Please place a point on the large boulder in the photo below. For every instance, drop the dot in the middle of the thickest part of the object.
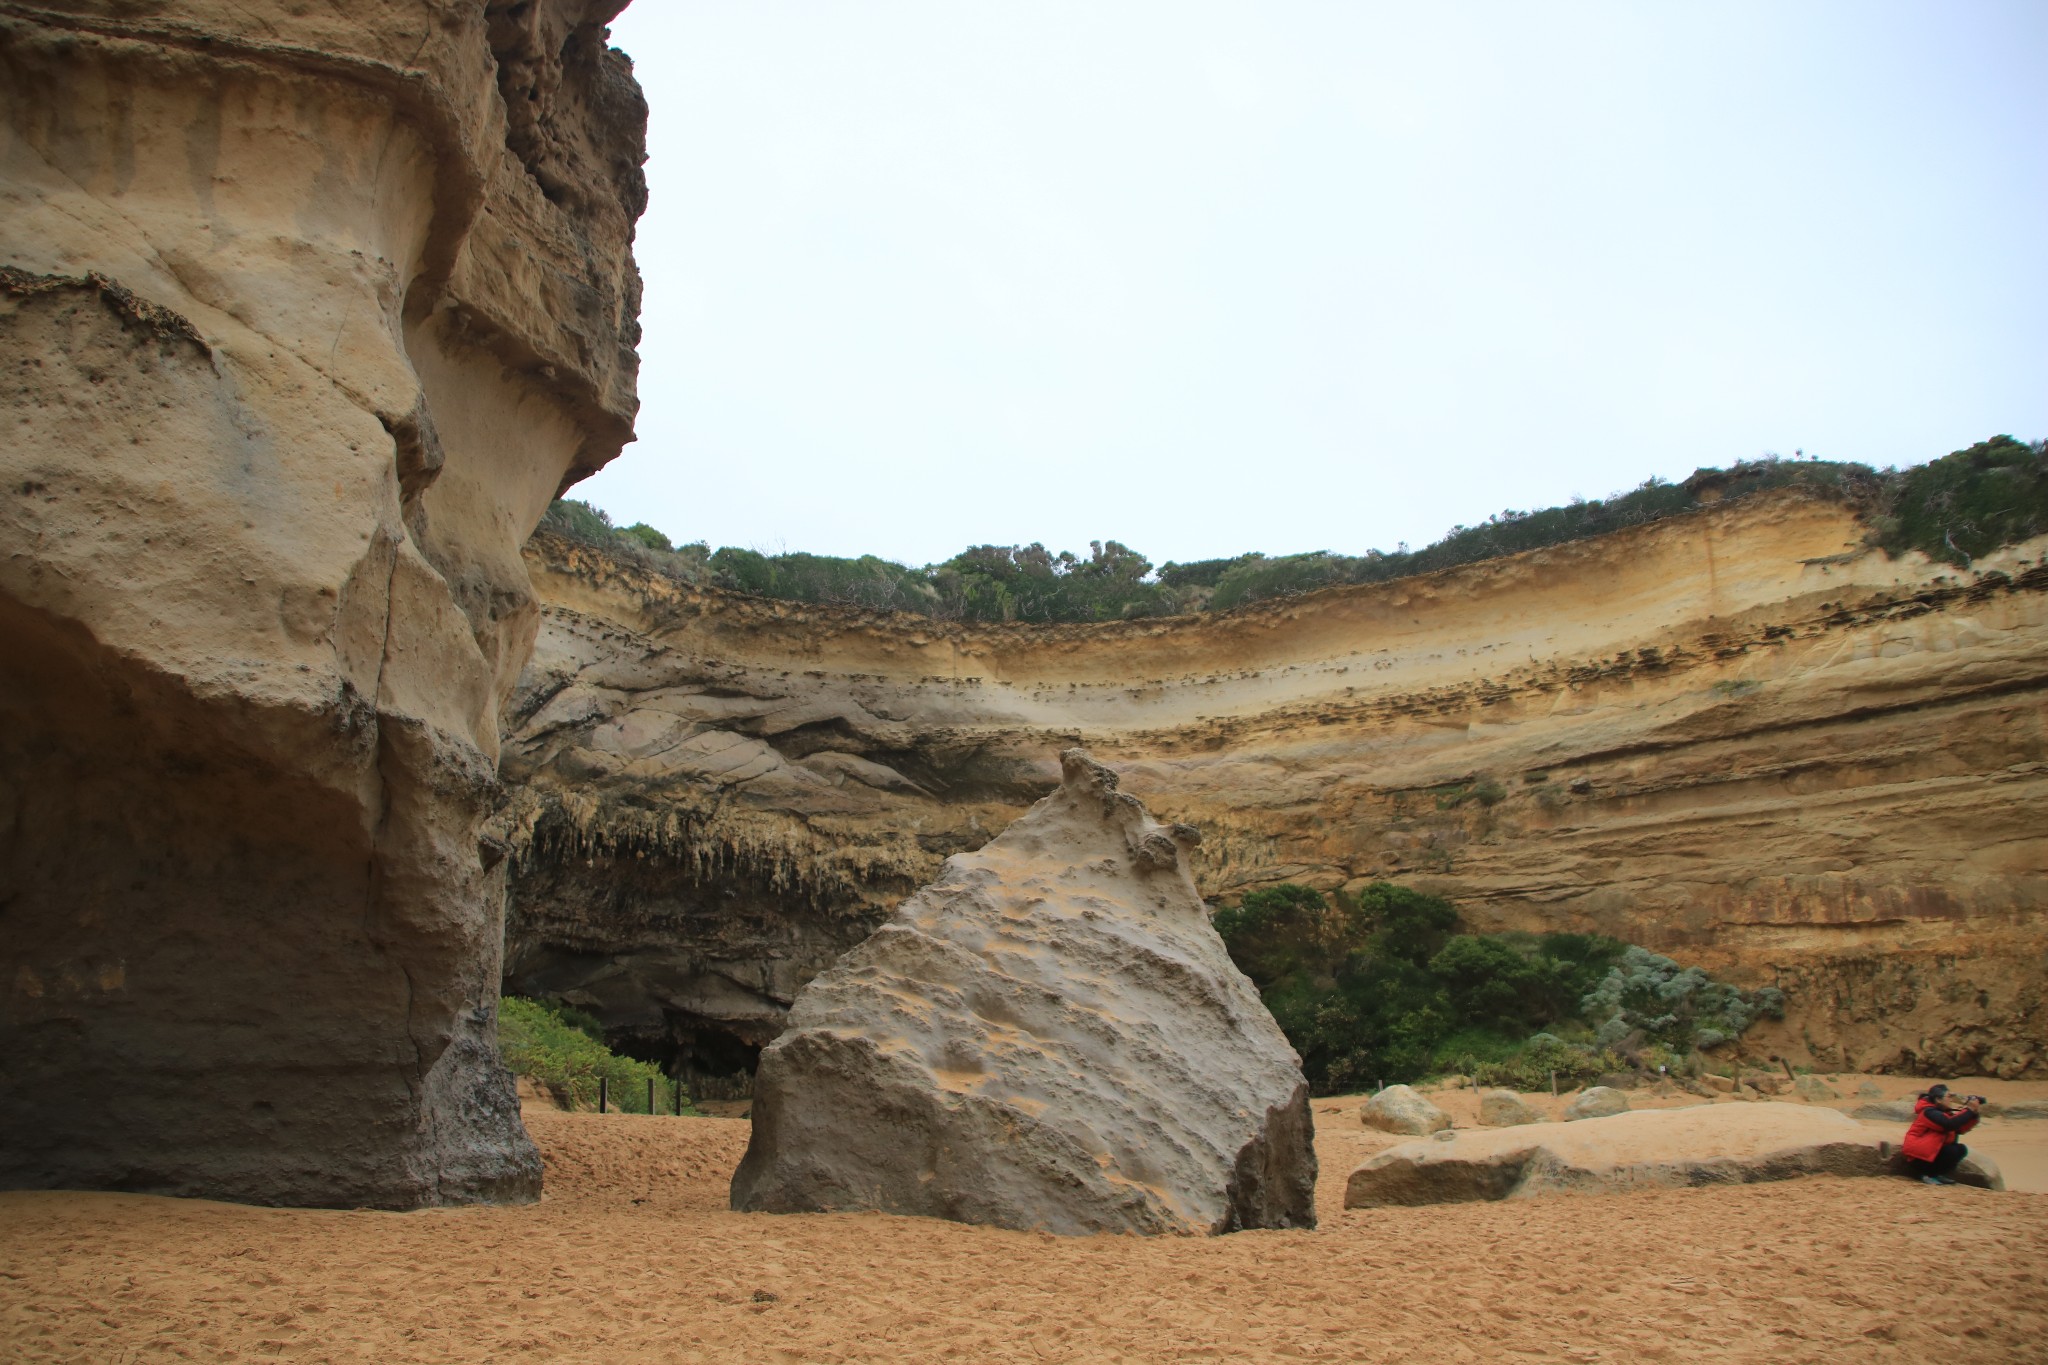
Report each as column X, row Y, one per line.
column 1402, row 1109
column 306, row 312
column 1050, row 1036
column 1505, row 1109
column 1707, row 1144
column 1599, row 1102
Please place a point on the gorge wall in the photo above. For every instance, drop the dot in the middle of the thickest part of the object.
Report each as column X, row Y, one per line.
column 1739, row 737
column 306, row 312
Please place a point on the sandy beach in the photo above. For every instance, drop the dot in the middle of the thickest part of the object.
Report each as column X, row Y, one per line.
column 633, row 1256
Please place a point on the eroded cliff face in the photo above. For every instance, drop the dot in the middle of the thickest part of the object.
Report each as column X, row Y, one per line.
column 1738, row 737
column 306, row 313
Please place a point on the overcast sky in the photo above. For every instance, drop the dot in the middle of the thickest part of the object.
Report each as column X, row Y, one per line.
column 1293, row 276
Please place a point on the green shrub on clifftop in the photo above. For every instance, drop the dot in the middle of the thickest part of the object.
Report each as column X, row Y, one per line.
column 1957, row 508
column 1969, row 503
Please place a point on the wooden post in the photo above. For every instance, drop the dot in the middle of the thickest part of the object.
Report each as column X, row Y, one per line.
column 677, row 1082
column 650, row 1097
column 1788, row 1071
column 603, row 1093
column 1553, row 1082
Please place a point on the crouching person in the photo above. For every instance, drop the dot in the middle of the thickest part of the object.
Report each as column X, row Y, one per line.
column 1932, row 1146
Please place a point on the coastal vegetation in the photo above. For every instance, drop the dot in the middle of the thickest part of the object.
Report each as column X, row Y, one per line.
column 1386, row 987
column 1954, row 509
column 562, row 1051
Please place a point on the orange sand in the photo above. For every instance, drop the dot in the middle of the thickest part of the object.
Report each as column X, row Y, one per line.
column 633, row 1256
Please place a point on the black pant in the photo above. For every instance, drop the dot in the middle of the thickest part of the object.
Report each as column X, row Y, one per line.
column 1945, row 1160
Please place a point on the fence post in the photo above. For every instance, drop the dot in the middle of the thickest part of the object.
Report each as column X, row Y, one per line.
column 651, row 1110
column 1553, row 1083
column 603, row 1093
column 677, row 1082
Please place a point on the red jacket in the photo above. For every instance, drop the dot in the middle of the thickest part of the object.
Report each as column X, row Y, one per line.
column 1927, row 1136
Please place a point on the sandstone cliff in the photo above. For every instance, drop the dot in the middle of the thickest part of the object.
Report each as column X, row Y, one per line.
column 1737, row 736
column 306, row 312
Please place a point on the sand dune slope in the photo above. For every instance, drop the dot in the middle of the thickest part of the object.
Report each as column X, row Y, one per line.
column 632, row 1256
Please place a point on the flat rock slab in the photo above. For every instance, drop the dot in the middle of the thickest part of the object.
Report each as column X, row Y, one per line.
column 1050, row 1036
column 1707, row 1144
column 2018, row 1109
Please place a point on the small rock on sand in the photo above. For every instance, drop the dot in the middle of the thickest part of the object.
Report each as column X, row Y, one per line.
column 1402, row 1109
column 1505, row 1109
column 1891, row 1111
column 1597, row 1103
column 1814, row 1090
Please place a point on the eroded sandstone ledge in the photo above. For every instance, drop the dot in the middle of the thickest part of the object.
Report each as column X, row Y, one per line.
column 1739, row 736
column 305, row 314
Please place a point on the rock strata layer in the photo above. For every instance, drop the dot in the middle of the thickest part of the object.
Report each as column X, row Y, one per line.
column 1739, row 737
column 306, row 312
column 1050, row 1036
column 1708, row 1144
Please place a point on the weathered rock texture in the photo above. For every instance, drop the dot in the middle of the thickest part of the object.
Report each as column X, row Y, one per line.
column 1402, row 1109
column 1707, row 1144
column 1049, row 1036
column 1505, row 1109
column 1737, row 737
column 1599, row 1102
column 306, row 311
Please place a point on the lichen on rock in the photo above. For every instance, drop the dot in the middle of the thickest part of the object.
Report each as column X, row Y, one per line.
column 1050, row 1036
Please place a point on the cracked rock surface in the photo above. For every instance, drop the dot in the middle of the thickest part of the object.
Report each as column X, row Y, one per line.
column 1050, row 1036
column 300, row 330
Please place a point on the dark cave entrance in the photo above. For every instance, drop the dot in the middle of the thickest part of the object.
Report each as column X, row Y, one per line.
column 712, row 1059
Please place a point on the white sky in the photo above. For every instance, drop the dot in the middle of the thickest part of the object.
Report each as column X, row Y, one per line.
column 1286, row 276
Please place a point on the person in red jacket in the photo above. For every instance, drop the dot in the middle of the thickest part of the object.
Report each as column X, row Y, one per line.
column 1932, row 1148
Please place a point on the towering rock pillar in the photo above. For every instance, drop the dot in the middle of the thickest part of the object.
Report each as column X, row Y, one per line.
column 305, row 314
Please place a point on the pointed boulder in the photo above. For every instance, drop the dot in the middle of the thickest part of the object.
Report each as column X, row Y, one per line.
column 1050, row 1036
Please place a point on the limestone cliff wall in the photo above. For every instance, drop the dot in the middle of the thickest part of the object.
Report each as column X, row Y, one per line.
column 1737, row 736
column 306, row 311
